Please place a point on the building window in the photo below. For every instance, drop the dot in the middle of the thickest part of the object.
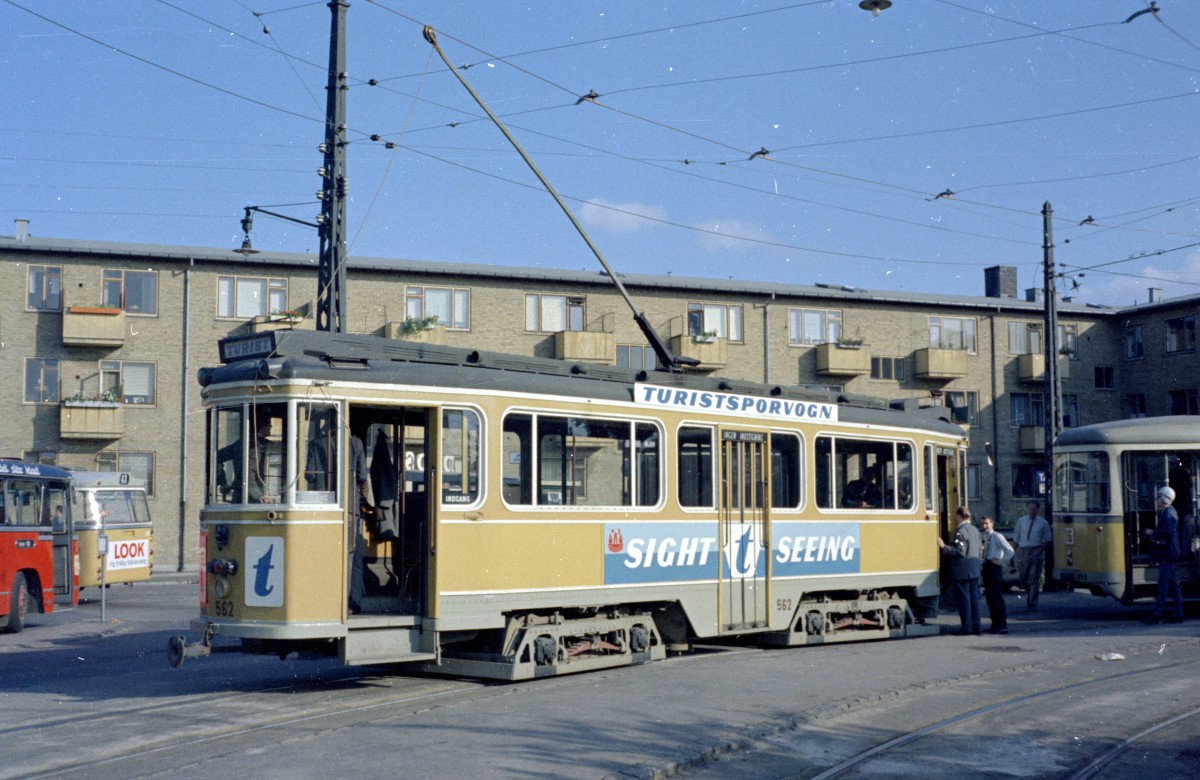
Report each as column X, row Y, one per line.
column 553, row 313
column 814, row 326
column 952, row 333
column 452, row 307
column 1185, row 401
column 636, row 357
column 964, row 406
column 1133, row 406
column 889, row 368
column 1181, row 334
column 41, row 381
column 131, row 382
column 1026, row 478
column 974, row 487
column 1026, row 409
column 1106, row 378
column 45, row 288
column 725, row 322
column 1067, row 340
column 136, row 292
column 1070, row 410
column 1025, row 338
column 1133, row 342
column 44, row 457
column 244, row 297
column 139, row 464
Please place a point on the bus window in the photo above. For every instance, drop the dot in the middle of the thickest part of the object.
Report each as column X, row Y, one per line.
column 695, row 467
column 25, row 502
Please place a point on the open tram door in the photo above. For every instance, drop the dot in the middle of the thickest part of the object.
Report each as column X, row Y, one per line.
column 943, row 486
column 744, row 531
column 399, row 509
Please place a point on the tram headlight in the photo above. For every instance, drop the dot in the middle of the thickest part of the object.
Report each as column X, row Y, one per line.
column 220, row 587
column 221, row 536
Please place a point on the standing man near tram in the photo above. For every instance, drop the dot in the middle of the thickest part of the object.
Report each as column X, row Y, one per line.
column 1032, row 534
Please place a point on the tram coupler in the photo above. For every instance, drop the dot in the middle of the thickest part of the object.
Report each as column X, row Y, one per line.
column 179, row 649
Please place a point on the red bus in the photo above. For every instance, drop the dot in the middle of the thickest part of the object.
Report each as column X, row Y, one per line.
column 39, row 557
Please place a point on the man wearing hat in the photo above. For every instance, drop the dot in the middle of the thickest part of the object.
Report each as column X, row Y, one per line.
column 1164, row 544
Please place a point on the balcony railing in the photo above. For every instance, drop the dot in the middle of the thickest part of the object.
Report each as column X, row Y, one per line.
column 710, row 351
column 934, row 363
column 93, row 326
column 585, row 346
column 843, row 360
column 1033, row 439
column 91, row 420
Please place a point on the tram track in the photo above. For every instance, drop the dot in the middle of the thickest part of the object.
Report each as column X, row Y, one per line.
column 1073, row 729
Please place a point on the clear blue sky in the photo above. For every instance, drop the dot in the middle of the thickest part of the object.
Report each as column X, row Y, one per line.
column 155, row 121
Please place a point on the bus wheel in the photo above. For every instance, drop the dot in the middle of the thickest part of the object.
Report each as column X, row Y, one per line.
column 18, row 605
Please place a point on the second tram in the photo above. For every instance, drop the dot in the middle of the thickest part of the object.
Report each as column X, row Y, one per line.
column 1105, row 479
column 529, row 517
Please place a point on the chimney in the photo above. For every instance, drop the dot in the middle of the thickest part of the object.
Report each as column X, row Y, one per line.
column 1000, row 281
column 22, row 229
column 1155, row 294
column 1033, row 294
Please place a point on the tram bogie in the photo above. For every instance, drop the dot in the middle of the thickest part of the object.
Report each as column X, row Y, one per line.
column 523, row 518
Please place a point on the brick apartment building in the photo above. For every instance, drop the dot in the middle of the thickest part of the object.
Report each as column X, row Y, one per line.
column 106, row 339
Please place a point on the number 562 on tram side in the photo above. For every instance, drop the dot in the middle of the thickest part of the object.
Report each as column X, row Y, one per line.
column 511, row 517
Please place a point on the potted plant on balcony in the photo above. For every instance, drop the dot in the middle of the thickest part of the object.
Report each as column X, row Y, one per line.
column 106, row 400
column 413, row 325
column 846, row 342
column 705, row 337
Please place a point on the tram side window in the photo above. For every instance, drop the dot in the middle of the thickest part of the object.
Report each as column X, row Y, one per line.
column 863, row 474
column 695, row 467
column 317, row 429
column 786, row 471
column 460, row 456
column 516, row 451
column 1081, row 481
column 583, row 462
column 648, row 462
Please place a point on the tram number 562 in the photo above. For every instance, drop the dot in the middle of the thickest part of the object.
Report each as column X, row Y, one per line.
column 222, row 609
column 783, row 605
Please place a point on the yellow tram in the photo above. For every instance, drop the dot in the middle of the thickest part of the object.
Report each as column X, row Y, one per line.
column 110, row 510
column 528, row 517
column 1105, row 479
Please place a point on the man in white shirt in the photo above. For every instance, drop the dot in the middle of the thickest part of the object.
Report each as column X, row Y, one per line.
column 1031, row 534
column 996, row 552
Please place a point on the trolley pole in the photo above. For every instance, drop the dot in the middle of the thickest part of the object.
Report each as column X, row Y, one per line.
column 331, row 224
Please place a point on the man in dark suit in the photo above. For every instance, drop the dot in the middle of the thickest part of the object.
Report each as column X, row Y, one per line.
column 963, row 556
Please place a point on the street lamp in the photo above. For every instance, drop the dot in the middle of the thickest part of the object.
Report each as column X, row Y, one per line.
column 875, row 6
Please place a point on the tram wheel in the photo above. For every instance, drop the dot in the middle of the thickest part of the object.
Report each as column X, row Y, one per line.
column 18, row 605
column 175, row 652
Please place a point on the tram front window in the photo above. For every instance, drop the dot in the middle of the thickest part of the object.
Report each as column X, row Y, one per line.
column 250, row 469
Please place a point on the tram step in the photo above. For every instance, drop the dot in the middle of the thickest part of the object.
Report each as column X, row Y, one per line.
column 386, row 645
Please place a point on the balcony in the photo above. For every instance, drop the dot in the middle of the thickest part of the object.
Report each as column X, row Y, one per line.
column 843, row 359
column 933, row 363
column 91, row 420
column 1032, row 368
column 268, row 322
column 93, row 326
column 422, row 334
column 710, row 351
column 1033, row 439
column 585, row 346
